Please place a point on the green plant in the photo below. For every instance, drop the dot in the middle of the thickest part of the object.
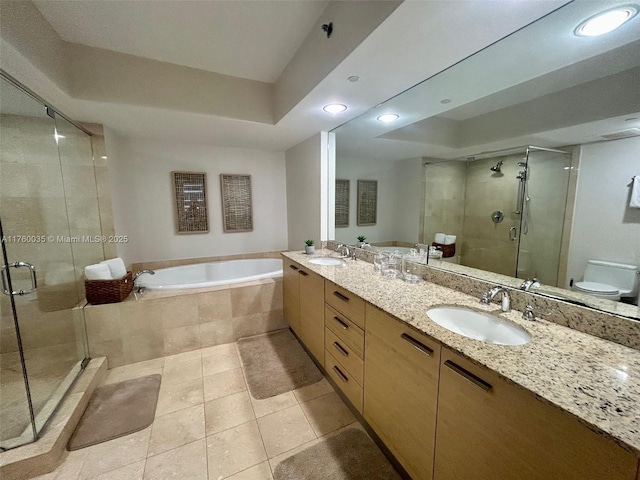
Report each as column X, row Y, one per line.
column 361, row 238
column 309, row 243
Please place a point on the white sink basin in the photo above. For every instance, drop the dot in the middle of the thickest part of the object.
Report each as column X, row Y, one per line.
column 326, row 261
column 479, row 326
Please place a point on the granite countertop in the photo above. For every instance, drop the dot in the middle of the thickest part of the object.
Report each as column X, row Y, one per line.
column 596, row 380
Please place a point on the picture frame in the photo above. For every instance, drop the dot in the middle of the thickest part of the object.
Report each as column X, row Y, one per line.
column 342, row 203
column 237, row 208
column 367, row 202
column 190, row 202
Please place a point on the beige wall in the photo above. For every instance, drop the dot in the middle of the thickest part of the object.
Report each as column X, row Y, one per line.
column 142, row 197
column 304, row 191
column 604, row 227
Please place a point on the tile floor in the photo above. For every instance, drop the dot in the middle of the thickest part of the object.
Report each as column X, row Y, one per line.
column 208, row 426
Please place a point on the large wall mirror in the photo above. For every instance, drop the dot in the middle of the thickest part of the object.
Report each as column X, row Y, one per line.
column 524, row 153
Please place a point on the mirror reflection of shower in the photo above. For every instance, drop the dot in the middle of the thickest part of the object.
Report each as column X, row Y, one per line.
column 523, row 199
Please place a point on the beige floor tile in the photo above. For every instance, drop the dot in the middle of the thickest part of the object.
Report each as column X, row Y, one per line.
column 116, row 453
column 284, row 430
column 174, row 397
column 135, row 370
column 235, row 450
column 273, row 404
column 177, row 429
column 134, row 471
column 181, row 357
column 187, row 462
column 262, row 471
column 182, row 372
column 227, row 412
column 223, row 384
column 220, row 360
column 327, row 413
column 224, row 349
column 314, row 390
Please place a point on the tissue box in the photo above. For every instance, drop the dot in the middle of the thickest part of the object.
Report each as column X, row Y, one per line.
column 447, row 250
column 108, row 291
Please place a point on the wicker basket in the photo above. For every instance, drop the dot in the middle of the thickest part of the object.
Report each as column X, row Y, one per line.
column 447, row 250
column 108, row 291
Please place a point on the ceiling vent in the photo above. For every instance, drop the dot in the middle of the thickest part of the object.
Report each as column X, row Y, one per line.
column 630, row 132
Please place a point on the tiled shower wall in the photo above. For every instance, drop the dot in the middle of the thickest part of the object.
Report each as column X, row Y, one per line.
column 154, row 326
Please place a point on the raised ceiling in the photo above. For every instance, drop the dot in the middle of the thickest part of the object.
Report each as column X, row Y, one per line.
column 248, row 39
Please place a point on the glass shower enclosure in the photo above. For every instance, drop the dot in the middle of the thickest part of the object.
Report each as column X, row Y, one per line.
column 48, row 213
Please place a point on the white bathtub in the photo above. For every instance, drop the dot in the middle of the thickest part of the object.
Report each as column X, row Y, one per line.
column 203, row 275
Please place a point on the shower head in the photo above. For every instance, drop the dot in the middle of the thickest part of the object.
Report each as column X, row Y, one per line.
column 496, row 168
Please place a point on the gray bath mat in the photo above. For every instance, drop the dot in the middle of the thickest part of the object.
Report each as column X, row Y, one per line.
column 275, row 363
column 350, row 455
column 116, row 410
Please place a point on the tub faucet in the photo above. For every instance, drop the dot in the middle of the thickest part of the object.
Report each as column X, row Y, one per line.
column 528, row 283
column 140, row 288
column 487, row 297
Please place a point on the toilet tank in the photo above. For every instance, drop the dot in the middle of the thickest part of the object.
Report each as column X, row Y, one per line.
column 620, row 275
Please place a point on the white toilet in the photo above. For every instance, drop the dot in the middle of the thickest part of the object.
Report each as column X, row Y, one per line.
column 609, row 280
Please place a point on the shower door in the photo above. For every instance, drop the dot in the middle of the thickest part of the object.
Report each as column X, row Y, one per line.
column 43, row 341
column 543, row 200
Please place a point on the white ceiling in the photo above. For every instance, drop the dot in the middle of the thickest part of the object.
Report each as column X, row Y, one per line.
column 249, row 39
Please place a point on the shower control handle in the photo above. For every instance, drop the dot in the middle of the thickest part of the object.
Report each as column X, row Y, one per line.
column 5, row 283
column 513, row 233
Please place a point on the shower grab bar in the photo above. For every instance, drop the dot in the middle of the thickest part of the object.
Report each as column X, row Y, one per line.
column 32, row 271
column 513, row 233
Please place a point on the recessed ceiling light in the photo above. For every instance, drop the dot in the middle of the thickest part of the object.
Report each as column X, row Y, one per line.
column 445, row 100
column 606, row 22
column 388, row 117
column 334, row 108
column 353, row 78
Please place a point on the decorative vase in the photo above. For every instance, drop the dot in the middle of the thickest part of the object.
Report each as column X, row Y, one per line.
column 360, row 244
column 309, row 249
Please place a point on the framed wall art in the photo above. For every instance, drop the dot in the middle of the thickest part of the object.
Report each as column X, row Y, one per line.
column 237, row 211
column 190, row 200
column 367, row 202
column 342, row 203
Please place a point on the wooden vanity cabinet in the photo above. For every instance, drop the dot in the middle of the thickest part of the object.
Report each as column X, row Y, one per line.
column 312, row 312
column 291, row 294
column 401, row 390
column 491, row 429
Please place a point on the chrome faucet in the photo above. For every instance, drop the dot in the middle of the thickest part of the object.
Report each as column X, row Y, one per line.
column 140, row 288
column 528, row 283
column 528, row 314
column 343, row 250
column 487, row 297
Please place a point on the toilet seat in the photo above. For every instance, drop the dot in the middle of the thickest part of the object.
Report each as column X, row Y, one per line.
column 598, row 289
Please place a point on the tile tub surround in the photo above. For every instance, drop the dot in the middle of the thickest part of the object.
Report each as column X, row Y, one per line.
column 613, row 326
column 46, row 454
column 160, row 323
column 595, row 380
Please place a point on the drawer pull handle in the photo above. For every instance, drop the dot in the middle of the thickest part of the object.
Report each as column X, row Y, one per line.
column 342, row 376
column 341, row 349
column 293, row 267
column 419, row 345
column 477, row 381
column 303, row 273
column 341, row 296
column 343, row 325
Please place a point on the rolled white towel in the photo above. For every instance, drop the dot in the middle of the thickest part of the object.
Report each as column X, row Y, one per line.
column 99, row 271
column 116, row 266
column 449, row 239
column 439, row 238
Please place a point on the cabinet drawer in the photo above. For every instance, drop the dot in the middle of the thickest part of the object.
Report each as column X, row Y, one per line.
column 345, row 329
column 345, row 355
column 345, row 302
column 343, row 380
